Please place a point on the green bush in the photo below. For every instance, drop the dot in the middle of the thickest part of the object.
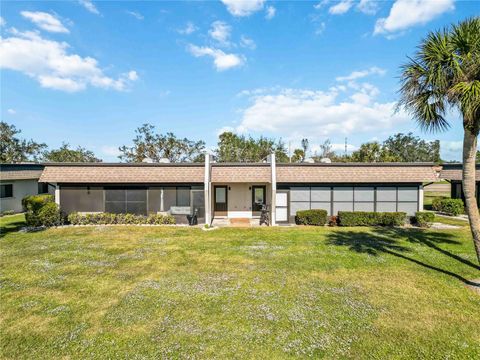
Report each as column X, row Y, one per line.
column 7, row 212
column 108, row 218
column 424, row 218
column 49, row 215
column 34, row 203
column 452, row 207
column 315, row 217
column 367, row 218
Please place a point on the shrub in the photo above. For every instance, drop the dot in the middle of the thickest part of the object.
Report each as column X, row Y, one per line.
column 366, row 218
column 424, row 218
column 49, row 215
column 315, row 217
column 34, row 203
column 7, row 212
column 452, row 207
column 109, row 218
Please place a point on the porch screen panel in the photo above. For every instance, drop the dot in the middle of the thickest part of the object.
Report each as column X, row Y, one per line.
column 322, row 206
column 321, row 194
column 364, row 198
column 169, row 198
column 81, row 199
column 342, row 199
column 115, row 201
column 407, row 199
column 154, row 199
column 198, row 202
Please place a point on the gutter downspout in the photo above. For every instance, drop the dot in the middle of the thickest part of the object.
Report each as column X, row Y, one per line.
column 207, row 192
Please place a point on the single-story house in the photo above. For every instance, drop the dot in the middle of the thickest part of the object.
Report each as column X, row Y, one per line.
column 239, row 190
column 18, row 181
column 453, row 173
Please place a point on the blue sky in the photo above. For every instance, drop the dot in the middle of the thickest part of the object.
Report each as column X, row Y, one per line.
column 90, row 72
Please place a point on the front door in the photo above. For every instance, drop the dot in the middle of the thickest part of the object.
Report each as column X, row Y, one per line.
column 220, row 206
column 258, row 199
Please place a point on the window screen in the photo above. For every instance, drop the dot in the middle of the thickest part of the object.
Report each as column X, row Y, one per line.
column 183, row 196
column 126, row 201
column 6, row 190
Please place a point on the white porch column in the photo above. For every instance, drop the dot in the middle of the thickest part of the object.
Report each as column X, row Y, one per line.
column 273, row 167
column 420, row 198
column 207, row 191
column 57, row 194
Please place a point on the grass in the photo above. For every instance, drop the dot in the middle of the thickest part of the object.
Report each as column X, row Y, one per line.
column 429, row 196
column 176, row 292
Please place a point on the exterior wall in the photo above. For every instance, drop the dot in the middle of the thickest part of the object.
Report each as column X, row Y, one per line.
column 365, row 197
column 240, row 199
column 21, row 188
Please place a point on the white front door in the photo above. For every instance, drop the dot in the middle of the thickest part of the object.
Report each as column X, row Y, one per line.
column 281, row 209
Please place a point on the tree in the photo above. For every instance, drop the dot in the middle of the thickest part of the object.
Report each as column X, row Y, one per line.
column 305, row 148
column 444, row 74
column 298, row 156
column 373, row 152
column 238, row 148
column 326, row 151
column 154, row 146
column 13, row 149
column 65, row 154
column 410, row 148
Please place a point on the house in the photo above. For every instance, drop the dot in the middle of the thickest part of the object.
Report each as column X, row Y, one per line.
column 239, row 190
column 453, row 173
column 18, row 181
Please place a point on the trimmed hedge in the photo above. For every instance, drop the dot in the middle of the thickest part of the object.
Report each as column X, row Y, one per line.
column 127, row 219
column 452, row 207
column 367, row 218
column 424, row 218
column 34, row 203
column 315, row 217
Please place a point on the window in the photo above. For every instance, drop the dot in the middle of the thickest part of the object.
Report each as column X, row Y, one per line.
column 42, row 188
column 6, row 191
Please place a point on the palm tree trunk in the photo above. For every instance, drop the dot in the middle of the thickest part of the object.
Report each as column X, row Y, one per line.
column 469, row 186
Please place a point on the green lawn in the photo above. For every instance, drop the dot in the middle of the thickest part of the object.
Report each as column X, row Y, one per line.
column 266, row 293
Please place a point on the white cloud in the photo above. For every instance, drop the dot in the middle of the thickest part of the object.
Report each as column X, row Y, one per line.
column 369, row 7
column 451, row 150
column 220, row 31
column 341, row 8
column 45, row 21
column 88, row 4
column 188, row 29
column 361, row 74
column 50, row 63
column 225, row 129
column 408, row 13
column 243, row 7
column 321, row 4
column 11, row 111
column 135, row 14
column 270, row 12
column 2, row 21
column 320, row 28
column 296, row 113
column 247, row 42
column 221, row 60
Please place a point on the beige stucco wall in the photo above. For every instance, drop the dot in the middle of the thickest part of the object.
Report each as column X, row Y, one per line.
column 240, row 199
column 21, row 188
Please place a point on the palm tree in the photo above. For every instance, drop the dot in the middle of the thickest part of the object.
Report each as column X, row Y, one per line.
column 444, row 75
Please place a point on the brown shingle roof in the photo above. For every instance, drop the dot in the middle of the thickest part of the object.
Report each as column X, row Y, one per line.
column 355, row 173
column 20, row 174
column 129, row 174
column 455, row 174
column 238, row 173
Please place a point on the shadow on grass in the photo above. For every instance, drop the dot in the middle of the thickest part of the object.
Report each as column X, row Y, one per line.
column 386, row 241
column 7, row 226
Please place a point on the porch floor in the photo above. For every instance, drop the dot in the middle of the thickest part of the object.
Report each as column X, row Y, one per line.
column 236, row 222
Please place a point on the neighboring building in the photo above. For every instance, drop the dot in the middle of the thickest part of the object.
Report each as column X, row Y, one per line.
column 453, row 173
column 18, row 181
column 222, row 190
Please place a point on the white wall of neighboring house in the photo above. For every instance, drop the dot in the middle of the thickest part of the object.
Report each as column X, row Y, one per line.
column 21, row 188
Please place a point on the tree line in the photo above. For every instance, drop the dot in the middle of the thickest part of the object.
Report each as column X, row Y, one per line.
column 152, row 146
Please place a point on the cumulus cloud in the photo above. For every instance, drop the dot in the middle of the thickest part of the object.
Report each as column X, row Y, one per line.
column 270, row 12
column 45, row 21
column 220, row 31
column 407, row 13
column 50, row 63
column 90, row 6
column 341, row 8
column 369, row 7
column 188, row 29
column 246, row 42
column 335, row 111
column 355, row 75
column 135, row 14
column 243, row 7
column 221, row 60
column 11, row 111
